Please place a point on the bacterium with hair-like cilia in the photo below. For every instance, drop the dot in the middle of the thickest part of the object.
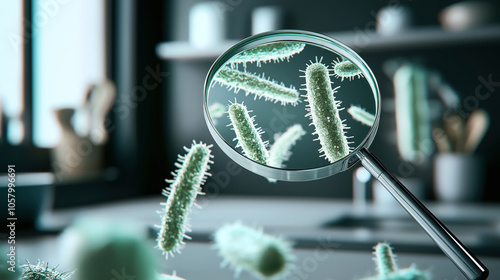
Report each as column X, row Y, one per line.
column 361, row 115
column 247, row 134
column 42, row 272
column 281, row 149
column 387, row 268
column 323, row 110
column 258, row 85
column 275, row 52
column 245, row 248
column 191, row 174
column 346, row 70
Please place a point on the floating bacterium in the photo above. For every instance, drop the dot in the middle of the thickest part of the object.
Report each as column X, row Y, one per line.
column 413, row 125
column 323, row 110
column 384, row 259
column 41, row 271
column 186, row 185
column 247, row 134
column 274, row 52
column 361, row 115
column 216, row 110
column 260, row 86
column 387, row 268
column 346, row 70
column 245, row 248
column 281, row 149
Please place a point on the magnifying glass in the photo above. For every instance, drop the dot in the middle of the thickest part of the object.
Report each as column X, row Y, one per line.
column 298, row 106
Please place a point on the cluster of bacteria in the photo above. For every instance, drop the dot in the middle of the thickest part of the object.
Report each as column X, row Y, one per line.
column 322, row 105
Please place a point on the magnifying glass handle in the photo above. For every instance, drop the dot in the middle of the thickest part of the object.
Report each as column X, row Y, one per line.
column 470, row 266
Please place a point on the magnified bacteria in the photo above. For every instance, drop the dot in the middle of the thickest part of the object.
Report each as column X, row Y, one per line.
column 258, row 85
column 346, row 70
column 217, row 110
column 249, row 138
column 324, row 120
column 275, row 52
column 323, row 110
column 361, row 115
column 247, row 134
column 281, row 149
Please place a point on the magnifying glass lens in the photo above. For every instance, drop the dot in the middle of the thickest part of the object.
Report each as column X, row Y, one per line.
column 292, row 102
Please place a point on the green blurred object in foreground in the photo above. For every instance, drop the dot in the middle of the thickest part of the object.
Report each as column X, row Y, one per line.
column 245, row 248
column 111, row 250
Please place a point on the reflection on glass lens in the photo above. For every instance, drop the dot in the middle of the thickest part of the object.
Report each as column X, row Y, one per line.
column 291, row 104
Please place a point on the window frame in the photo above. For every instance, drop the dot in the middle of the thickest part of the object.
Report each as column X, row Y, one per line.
column 135, row 174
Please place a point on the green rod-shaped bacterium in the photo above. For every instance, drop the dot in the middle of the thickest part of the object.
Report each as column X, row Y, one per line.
column 246, row 248
column 274, row 52
column 281, row 149
column 247, row 134
column 185, row 186
column 346, row 70
column 323, row 110
column 413, row 125
column 260, row 86
column 387, row 269
column 384, row 259
column 361, row 115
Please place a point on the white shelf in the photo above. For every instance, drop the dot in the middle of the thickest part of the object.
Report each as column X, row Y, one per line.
column 186, row 51
column 359, row 40
column 425, row 37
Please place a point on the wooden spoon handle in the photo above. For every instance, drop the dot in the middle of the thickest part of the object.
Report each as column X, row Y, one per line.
column 475, row 129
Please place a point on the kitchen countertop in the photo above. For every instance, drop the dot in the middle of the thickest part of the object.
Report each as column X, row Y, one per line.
column 315, row 225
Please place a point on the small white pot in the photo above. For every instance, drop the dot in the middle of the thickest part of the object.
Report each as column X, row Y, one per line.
column 459, row 177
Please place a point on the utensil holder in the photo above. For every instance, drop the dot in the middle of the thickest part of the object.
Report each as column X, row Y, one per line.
column 459, row 177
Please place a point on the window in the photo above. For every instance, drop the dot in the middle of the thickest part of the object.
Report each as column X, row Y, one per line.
column 11, row 84
column 68, row 46
column 63, row 48
column 69, row 56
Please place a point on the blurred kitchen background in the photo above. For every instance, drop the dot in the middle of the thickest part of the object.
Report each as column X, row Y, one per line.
column 99, row 97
